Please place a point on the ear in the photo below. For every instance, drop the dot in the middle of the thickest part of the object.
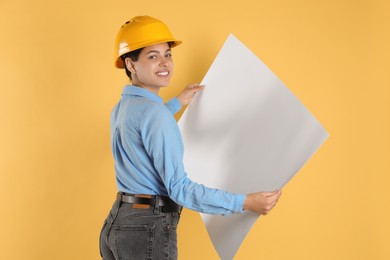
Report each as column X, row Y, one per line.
column 130, row 65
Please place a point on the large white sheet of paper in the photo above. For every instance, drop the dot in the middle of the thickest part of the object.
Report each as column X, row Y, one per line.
column 246, row 132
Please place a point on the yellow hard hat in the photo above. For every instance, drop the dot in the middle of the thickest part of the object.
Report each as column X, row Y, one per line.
column 139, row 32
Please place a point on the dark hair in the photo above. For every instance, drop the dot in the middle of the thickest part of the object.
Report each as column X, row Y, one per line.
column 133, row 55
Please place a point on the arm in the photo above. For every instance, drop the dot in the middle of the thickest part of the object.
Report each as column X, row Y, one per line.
column 187, row 193
column 184, row 98
column 162, row 141
column 173, row 105
column 188, row 93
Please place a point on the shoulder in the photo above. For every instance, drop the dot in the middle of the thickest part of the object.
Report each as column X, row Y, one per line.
column 140, row 106
column 157, row 114
column 157, row 109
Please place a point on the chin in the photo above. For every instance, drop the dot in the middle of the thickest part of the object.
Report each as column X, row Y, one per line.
column 164, row 84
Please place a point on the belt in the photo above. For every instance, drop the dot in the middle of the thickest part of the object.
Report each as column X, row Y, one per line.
column 141, row 201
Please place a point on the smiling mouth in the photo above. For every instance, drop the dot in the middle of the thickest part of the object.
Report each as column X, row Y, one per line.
column 162, row 73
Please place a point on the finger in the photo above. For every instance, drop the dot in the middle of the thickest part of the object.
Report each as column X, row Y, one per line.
column 277, row 193
column 275, row 201
column 193, row 85
column 274, row 198
column 198, row 88
column 271, row 193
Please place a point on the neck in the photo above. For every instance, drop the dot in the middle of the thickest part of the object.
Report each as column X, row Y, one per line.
column 155, row 90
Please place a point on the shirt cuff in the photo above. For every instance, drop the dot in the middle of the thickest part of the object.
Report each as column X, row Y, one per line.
column 174, row 105
column 239, row 203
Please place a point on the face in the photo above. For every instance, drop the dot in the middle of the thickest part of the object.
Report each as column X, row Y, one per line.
column 154, row 67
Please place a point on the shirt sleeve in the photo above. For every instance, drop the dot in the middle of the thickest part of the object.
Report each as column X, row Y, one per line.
column 173, row 105
column 163, row 143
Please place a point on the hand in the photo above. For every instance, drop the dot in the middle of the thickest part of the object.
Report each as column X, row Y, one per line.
column 188, row 93
column 262, row 202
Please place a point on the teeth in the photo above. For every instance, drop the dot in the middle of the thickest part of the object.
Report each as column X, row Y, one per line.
column 164, row 73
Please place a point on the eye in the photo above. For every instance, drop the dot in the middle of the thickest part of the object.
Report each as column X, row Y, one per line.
column 152, row 57
column 168, row 55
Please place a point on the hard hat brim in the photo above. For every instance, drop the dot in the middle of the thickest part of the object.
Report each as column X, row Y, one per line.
column 119, row 63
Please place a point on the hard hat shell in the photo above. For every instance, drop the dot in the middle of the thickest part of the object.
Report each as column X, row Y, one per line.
column 139, row 32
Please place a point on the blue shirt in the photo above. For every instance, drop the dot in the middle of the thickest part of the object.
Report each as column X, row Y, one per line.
column 148, row 152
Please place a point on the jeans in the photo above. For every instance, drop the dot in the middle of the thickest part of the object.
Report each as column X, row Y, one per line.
column 132, row 233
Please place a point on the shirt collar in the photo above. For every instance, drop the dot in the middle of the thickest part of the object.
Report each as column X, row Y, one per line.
column 142, row 92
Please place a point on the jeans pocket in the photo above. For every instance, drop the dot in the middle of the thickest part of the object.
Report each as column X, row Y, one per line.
column 101, row 237
column 135, row 241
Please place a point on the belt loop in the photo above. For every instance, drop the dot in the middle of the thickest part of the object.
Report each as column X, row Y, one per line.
column 156, row 209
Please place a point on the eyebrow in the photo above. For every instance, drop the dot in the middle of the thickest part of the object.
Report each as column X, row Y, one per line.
column 154, row 51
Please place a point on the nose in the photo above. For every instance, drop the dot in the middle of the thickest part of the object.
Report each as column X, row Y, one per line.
column 163, row 62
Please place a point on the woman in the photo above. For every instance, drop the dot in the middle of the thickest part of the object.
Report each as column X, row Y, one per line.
column 148, row 152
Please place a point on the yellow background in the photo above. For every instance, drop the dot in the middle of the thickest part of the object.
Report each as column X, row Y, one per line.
column 58, row 86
